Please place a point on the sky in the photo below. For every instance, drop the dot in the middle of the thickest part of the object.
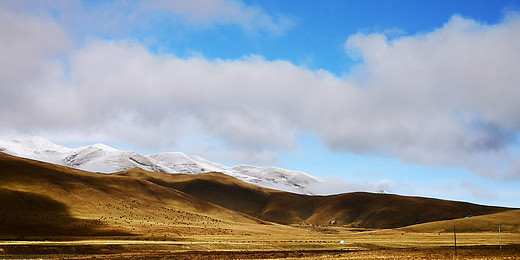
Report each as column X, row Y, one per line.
column 416, row 98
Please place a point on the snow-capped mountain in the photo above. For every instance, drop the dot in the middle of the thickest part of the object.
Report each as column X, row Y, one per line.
column 274, row 175
column 35, row 148
column 105, row 159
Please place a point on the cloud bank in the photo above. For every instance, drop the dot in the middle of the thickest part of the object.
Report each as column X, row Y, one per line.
column 448, row 97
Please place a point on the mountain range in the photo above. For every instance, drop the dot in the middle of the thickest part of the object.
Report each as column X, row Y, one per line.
column 105, row 159
column 357, row 209
column 47, row 200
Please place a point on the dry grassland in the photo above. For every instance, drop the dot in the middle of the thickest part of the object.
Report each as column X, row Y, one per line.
column 287, row 243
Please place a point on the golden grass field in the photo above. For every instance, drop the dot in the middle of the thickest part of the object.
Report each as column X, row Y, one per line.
column 385, row 244
column 49, row 211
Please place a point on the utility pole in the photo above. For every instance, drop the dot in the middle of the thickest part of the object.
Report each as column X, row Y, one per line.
column 500, row 235
column 455, row 239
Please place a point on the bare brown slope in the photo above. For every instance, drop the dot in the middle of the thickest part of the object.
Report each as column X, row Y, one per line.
column 229, row 192
column 358, row 209
column 52, row 197
column 387, row 210
column 137, row 196
column 216, row 188
column 509, row 222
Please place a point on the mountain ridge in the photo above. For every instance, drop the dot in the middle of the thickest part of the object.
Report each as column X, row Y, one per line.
column 356, row 209
column 91, row 197
column 106, row 159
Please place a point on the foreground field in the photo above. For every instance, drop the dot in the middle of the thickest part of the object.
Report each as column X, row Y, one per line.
column 440, row 253
column 292, row 243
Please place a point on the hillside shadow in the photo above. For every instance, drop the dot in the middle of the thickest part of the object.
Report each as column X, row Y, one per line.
column 26, row 214
column 227, row 195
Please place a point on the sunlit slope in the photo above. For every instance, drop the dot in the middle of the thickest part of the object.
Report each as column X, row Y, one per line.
column 358, row 209
column 390, row 211
column 509, row 222
column 64, row 201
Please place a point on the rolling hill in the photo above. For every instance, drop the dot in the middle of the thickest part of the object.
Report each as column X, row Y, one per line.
column 509, row 222
column 359, row 209
column 51, row 200
column 42, row 199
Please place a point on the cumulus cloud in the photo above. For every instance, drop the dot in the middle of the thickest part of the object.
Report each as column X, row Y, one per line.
column 119, row 18
column 445, row 98
column 30, row 48
column 448, row 97
column 252, row 18
column 243, row 101
column 514, row 169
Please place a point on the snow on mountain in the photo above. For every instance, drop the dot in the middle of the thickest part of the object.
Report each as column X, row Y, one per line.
column 182, row 163
column 215, row 167
column 105, row 159
column 277, row 178
column 34, row 148
column 179, row 163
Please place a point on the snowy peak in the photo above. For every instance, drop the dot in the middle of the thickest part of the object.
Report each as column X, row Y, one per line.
column 178, row 162
column 33, row 144
column 37, row 142
column 276, row 176
column 103, row 147
column 106, row 159
column 181, row 163
column 34, row 148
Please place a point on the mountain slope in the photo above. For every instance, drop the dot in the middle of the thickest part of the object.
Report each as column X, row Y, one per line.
column 31, row 214
column 51, row 200
column 367, row 210
column 138, row 201
column 105, row 159
column 509, row 221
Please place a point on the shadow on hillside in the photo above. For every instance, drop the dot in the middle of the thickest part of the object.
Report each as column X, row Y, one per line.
column 26, row 214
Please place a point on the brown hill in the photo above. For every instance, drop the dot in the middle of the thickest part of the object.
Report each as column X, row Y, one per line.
column 509, row 222
column 41, row 199
column 367, row 210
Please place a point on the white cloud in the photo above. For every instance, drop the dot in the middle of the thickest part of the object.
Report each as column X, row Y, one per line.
column 120, row 18
column 251, row 18
column 448, row 97
column 242, row 101
column 513, row 172
column 30, row 49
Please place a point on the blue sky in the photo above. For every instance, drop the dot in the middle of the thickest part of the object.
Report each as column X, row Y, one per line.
column 317, row 36
column 412, row 97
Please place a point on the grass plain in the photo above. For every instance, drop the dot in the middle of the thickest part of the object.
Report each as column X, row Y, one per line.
column 48, row 211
